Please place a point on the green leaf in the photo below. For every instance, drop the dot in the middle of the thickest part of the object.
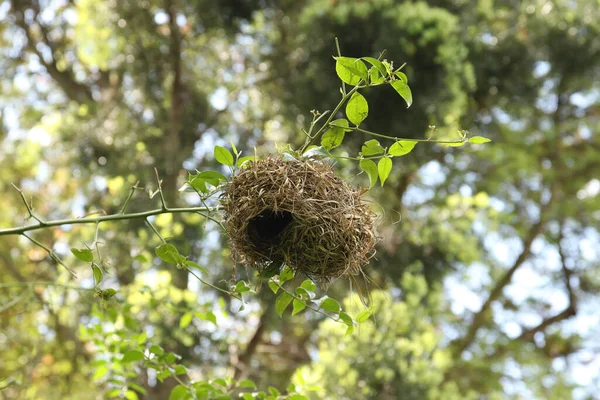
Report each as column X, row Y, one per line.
column 371, row 169
column 242, row 287
column 335, row 135
column 377, row 64
column 169, row 253
column 132, row 355
column 85, row 255
column 298, row 306
column 192, row 264
column 180, row 370
column 185, row 320
column 212, row 177
column 179, row 392
column 283, row 300
column 371, row 148
column 100, row 373
column 357, row 108
column 403, row 90
column 207, row 316
column 363, row 316
column 273, row 391
column 220, row 382
column 375, row 75
column 347, row 319
column 137, row 387
column 331, row 305
column 286, row 275
column 349, row 330
column 233, row 148
column 479, row 140
column 98, row 275
column 297, row 396
column 402, row 147
column 243, row 160
column 223, row 156
column 131, row 395
column 316, row 151
column 350, row 70
column 154, row 349
column 384, row 167
column 247, row 383
column 309, row 285
column 274, row 286
column 454, row 144
column 402, row 76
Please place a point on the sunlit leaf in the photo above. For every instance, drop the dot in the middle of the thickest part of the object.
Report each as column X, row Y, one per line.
column 403, row 90
column 243, row 160
column 335, row 135
column 179, row 392
column 363, row 316
column 247, row 383
column 350, row 70
column 242, row 287
column 185, row 320
column 371, row 148
column 298, row 306
column 331, row 305
column 192, row 264
column 402, row 147
column 283, row 300
column 274, row 286
column 479, row 140
column 85, row 255
column 154, row 349
column 98, row 275
column 132, row 355
column 371, row 169
column 169, row 253
column 223, row 156
column 345, row 318
column 402, row 76
column 286, row 274
column 100, row 373
column 377, row 64
column 375, row 76
column 384, row 167
column 357, row 108
column 309, row 285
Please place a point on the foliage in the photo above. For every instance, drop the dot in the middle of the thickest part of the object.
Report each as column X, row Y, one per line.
column 96, row 95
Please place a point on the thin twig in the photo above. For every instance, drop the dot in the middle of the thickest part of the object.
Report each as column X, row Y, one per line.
column 213, row 286
column 160, row 192
column 50, row 253
column 441, row 141
column 29, row 209
column 133, row 189
column 155, row 230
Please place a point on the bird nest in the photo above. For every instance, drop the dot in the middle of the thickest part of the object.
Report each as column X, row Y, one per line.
column 297, row 213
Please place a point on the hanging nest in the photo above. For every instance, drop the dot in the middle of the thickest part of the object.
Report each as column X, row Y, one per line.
column 300, row 214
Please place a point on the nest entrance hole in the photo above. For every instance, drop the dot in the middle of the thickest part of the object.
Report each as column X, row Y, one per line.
column 268, row 225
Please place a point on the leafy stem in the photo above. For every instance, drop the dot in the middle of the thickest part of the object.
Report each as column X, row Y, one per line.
column 395, row 138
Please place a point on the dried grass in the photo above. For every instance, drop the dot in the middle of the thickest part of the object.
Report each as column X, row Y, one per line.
column 298, row 213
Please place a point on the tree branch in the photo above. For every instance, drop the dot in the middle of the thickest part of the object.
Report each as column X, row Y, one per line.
column 461, row 344
column 104, row 218
column 64, row 77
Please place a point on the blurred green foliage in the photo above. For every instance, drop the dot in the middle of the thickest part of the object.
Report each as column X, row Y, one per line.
column 485, row 282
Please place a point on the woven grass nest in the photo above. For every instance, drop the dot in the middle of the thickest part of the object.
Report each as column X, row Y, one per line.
column 297, row 213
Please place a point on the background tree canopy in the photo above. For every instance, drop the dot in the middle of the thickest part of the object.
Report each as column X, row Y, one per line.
column 486, row 280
